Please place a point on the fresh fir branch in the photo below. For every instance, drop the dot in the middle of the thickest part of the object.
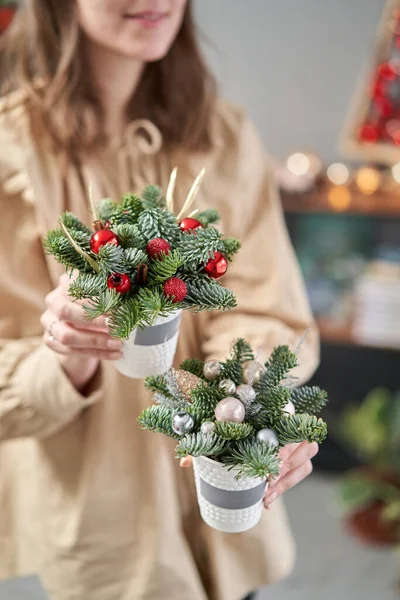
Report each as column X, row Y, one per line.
column 208, row 216
column 106, row 209
column 208, row 295
column 154, row 303
column 205, row 399
column 133, row 257
column 57, row 245
column 154, row 223
column 87, row 285
column 156, row 383
column 112, row 259
column 193, row 365
column 253, row 459
column 281, row 362
column 129, row 236
column 158, row 419
column 198, row 444
column 231, row 247
column 128, row 210
column 72, row 223
column 174, row 390
column 197, row 247
column 232, row 369
column 292, row 429
column 106, row 302
column 125, row 318
column 164, row 267
column 309, row 399
column 241, row 351
column 233, row 431
column 152, row 197
column 273, row 401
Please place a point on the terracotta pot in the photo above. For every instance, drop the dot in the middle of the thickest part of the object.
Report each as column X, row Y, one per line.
column 370, row 528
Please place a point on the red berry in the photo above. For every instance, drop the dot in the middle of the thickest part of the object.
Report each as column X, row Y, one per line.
column 157, row 246
column 119, row 282
column 175, row 289
column 189, row 224
column 217, row 266
column 102, row 237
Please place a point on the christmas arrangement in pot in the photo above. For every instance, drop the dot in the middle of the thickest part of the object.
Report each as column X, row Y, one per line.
column 232, row 417
column 142, row 265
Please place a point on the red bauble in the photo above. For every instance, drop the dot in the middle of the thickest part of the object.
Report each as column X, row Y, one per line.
column 119, row 282
column 189, row 224
column 6, row 16
column 102, row 237
column 217, row 266
column 175, row 289
column 368, row 133
column 384, row 107
column 157, row 246
column 387, row 71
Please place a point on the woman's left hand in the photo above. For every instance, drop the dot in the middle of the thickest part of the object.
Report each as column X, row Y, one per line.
column 296, row 466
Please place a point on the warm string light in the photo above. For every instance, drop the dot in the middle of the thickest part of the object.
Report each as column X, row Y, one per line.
column 338, row 174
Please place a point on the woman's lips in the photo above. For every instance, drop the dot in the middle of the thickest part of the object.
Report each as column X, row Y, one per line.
column 147, row 19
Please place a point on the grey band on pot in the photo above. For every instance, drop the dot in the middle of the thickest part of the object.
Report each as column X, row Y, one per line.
column 232, row 499
column 157, row 334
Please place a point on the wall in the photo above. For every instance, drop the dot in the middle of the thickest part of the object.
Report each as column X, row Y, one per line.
column 292, row 63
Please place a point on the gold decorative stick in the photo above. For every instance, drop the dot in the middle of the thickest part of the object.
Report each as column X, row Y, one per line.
column 92, row 204
column 86, row 256
column 194, row 212
column 171, row 189
column 192, row 194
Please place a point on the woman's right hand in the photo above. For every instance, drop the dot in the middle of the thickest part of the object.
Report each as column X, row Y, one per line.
column 79, row 343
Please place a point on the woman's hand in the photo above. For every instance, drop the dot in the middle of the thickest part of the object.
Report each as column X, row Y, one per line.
column 79, row 343
column 296, row 466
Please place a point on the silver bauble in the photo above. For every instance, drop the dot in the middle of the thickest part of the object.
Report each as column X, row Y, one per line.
column 228, row 386
column 182, row 423
column 246, row 393
column 252, row 371
column 289, row 409
column 268, row 437
column 212, row 369
column 207, row 427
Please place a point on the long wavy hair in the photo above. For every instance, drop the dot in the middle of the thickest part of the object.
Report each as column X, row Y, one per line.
column 42, row 55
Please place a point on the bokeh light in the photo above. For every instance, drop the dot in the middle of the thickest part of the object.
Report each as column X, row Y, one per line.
column 338, row 173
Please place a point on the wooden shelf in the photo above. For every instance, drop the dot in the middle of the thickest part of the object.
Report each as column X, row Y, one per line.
column 341, row 335
column 379, row 205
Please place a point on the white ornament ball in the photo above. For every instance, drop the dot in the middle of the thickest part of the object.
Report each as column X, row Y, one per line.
column 246, row 393
column 289, row 409
column 253, row 371
column 231, row 410
column 212, row 369
column 228, row 386
column 207, row 427
column 182, row 423
column 268, row 437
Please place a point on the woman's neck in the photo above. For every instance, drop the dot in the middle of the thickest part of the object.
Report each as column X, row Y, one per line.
column 116, row 78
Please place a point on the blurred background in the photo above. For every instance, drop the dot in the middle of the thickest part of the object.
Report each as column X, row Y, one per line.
column 321, row 80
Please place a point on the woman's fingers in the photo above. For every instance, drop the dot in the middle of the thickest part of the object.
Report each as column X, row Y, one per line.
column 186, row 462
column 296, row 466
column 72, row 312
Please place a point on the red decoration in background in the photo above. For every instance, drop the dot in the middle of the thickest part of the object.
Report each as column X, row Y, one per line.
column 175, row 289
column 158, row 246
column 386, row 70
column 6, row 16
column 217, row 266
column 384, row 107
column 119, row 282
column 368, row 133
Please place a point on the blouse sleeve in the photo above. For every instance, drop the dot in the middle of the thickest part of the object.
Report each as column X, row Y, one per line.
column 265, row 276
column 36, row 397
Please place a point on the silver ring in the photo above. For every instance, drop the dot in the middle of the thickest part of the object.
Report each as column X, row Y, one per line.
column 51, row 337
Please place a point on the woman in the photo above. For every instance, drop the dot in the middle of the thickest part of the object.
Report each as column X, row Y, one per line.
column 115, row 92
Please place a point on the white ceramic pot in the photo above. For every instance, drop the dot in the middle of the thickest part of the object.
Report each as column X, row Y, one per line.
column 151, row 351
column 226, row 504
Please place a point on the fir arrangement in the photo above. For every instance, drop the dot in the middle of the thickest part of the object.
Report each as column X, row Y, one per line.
column 142, row 261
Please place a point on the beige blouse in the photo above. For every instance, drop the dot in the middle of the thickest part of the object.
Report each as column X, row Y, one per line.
column 99, row 509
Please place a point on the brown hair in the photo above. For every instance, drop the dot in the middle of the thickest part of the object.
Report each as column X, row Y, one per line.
column 44, row 45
